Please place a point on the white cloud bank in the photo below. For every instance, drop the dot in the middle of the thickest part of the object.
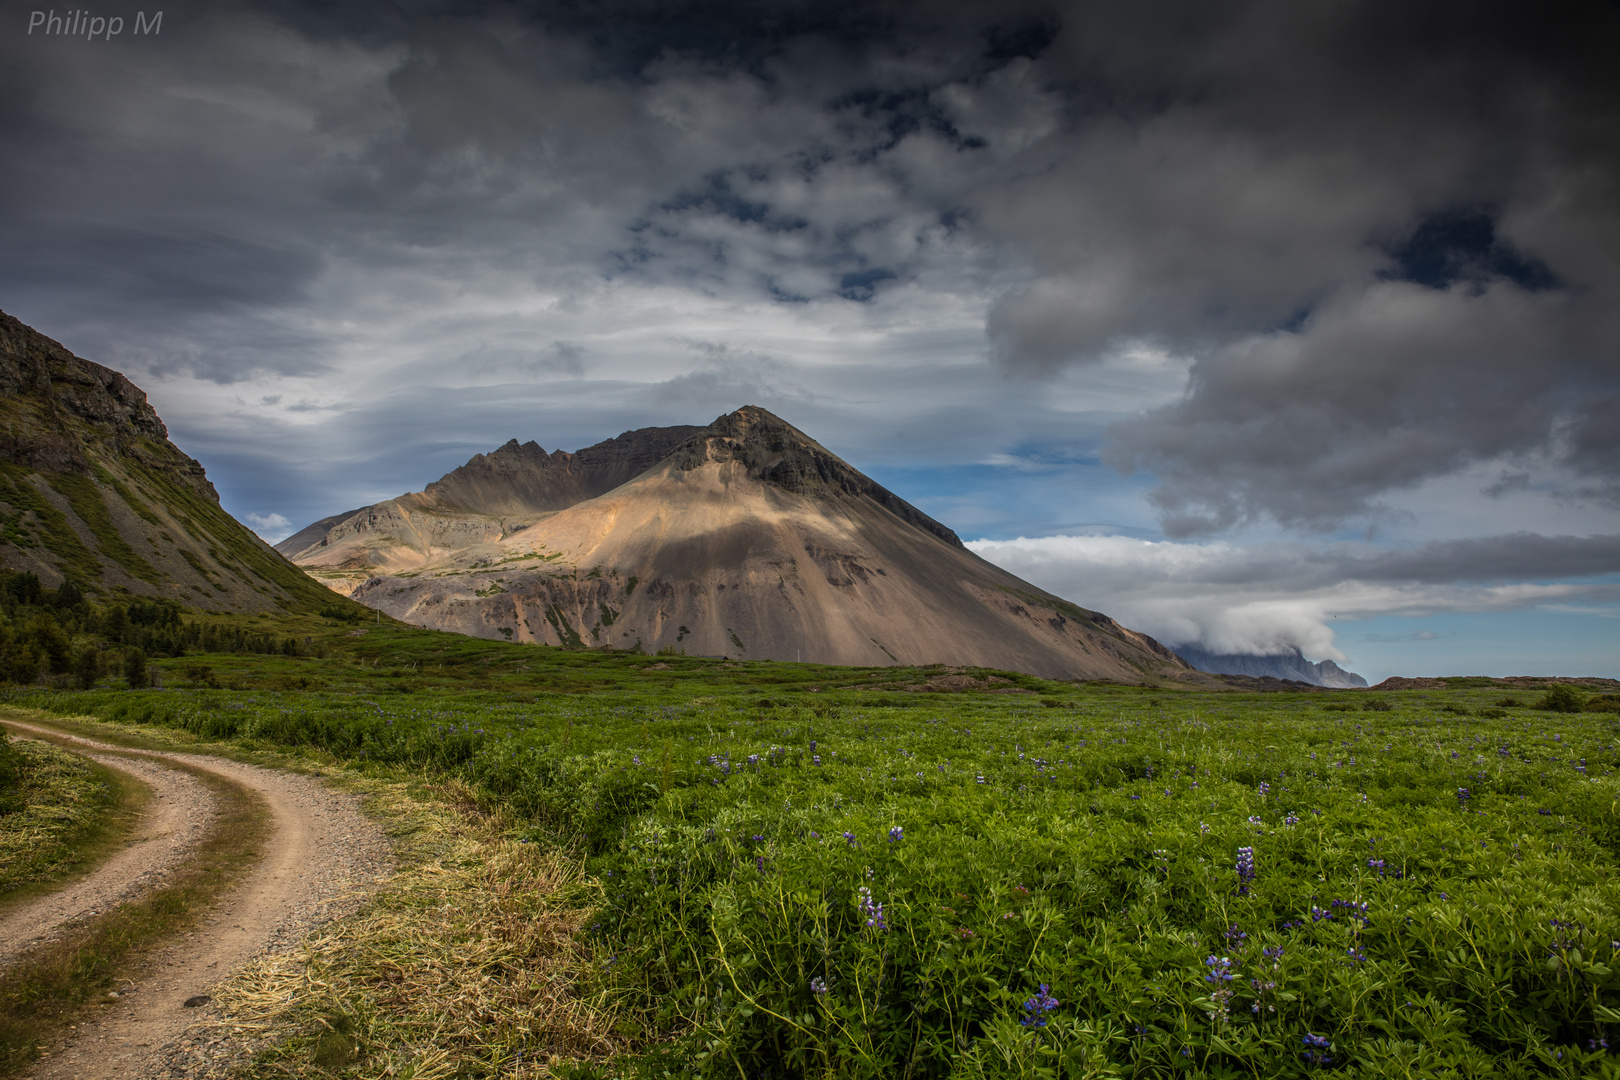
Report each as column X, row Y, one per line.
column 1273, row 597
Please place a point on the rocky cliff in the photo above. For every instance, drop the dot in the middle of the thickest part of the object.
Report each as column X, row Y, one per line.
column 92, row 489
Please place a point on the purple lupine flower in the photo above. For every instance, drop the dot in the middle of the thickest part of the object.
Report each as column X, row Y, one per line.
column 1356, row 955
column 1038, row 1006
column 1463, row 795
column 1245, row 869
column 1220, row 970
column 1272, row 952
column 1316, row 1050
column 1236, row 936
column 849, row 837
column 872, row 910
column 1265, row 789
column 897, row 833
column 818, row 987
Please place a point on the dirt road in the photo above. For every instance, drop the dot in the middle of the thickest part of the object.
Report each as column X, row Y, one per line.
column 320, row 859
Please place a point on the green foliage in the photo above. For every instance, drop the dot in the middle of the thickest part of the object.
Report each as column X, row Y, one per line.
column 1438, row 892
column 1562, row 698
column 135, row 673
column 87, row 503
column 11, row 776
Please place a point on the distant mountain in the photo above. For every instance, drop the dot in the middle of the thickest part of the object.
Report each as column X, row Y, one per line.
column 1287, row 665
column 745, row 538
column 91, row 489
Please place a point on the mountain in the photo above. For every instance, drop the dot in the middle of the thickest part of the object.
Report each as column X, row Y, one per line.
column 92, row 490
column 1286, row 665
column 745, row 538
column 491, row 497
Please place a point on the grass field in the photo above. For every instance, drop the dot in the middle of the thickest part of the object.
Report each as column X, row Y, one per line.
column 808, row 872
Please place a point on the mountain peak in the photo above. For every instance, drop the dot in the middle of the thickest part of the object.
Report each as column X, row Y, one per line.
column 774, row 451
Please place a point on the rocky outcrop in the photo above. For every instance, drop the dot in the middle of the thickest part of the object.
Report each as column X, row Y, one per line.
column 91, row 489
column 59, row 405
column 521, row 478
column 1290, row 665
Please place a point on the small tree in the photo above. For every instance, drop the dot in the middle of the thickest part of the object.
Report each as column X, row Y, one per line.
column 135, row 668
column 88, row 668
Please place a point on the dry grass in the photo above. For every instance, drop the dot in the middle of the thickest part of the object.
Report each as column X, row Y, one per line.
column 463, row 965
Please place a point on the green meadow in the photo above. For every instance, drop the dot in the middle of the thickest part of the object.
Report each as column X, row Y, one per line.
column 811, row 871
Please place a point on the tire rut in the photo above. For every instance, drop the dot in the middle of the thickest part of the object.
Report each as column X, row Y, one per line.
column 321, row 858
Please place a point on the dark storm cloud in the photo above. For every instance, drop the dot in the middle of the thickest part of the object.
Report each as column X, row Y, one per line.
column 1382, row 234
column 1386, row 234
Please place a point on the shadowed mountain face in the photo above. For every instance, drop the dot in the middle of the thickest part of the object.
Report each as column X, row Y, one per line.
column 92, row 490
column 745, row 538
column 1289, row 665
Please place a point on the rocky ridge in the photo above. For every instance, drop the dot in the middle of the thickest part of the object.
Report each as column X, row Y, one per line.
column 91, row 489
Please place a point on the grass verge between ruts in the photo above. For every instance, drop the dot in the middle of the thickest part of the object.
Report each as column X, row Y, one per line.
column 76, row 812
column 48, row 988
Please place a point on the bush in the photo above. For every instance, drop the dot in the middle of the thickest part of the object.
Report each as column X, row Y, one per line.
column 1603, row 703
column 1561, row 698
column 135, row 672
column 1376, row 704
column 11, row 775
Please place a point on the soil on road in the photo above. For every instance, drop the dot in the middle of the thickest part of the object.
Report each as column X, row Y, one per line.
column 321, row 858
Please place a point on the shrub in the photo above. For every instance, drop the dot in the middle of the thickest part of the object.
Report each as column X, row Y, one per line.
column 1376, row 704
column 1603, row 703
column 135, row 672
column 1561, row 698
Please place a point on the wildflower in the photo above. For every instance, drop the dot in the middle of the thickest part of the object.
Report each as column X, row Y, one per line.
column 1038, row 1006
column 1463, row 796
column 964, row 932
column 818, row 987
column 1272, row 952
column 1202, row 828
column 871, row 909
column 850, row 837
column 1220, row 970
column 1356, row 955
column 896, row 833
column 1265, row 789
column 1291, row 819
column 1316, row 1049
column 1236, row 936
column 1245, row 869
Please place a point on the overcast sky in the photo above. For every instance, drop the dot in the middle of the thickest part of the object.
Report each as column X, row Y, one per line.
column 1261, row 325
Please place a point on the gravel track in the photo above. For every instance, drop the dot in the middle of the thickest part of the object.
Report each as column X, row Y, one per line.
column 176, row 819
column 322, row 857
